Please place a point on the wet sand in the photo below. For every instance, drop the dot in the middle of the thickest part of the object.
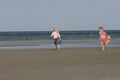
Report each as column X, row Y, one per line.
column 65, row 64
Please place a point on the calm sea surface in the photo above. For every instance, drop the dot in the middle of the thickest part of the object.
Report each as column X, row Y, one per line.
column 42, row 39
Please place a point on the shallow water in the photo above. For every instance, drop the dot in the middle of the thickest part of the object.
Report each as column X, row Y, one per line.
column 49, row 44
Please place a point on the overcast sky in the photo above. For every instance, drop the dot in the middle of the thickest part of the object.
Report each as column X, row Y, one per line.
column 43, row 15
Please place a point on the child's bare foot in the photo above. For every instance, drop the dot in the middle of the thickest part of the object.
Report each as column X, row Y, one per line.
column 103, row 49
column 58, row 47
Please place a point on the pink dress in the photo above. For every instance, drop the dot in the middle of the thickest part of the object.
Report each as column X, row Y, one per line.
column 102, row 36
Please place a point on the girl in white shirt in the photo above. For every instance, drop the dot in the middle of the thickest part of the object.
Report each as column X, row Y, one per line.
column 56, row 36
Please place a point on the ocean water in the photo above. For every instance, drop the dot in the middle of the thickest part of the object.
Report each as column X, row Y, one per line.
column 42, row 39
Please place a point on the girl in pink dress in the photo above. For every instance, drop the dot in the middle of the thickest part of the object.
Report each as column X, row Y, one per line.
column 56, row 36
column 104, row 39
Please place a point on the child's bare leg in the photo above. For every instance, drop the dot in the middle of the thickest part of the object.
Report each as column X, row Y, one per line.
column 102, row 45
column 106, row 43
column 58, row 47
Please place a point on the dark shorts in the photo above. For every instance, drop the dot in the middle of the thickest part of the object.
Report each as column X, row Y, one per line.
column 56, row 41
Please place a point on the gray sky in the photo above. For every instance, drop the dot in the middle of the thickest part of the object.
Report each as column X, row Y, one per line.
column 42, row 15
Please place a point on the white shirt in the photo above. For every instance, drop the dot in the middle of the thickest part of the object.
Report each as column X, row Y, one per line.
column 55, row 35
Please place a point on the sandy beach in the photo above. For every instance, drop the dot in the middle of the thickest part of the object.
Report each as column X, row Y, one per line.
column 65, row 64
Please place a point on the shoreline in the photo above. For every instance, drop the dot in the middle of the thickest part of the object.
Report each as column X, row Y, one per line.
column 53, row 48
column 48, row 48
column 49, row 44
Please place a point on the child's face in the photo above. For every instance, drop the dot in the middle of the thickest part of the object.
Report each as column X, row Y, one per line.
column 100, row 29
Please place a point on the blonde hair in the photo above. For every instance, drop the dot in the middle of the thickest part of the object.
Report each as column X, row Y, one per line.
column 56, row 30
